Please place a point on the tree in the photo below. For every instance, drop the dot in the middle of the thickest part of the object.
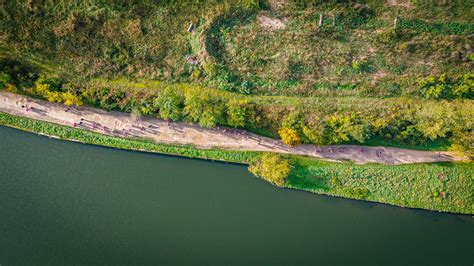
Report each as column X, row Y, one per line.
column 204, row 108
column 434, row 120
column 344, row 128
column 314, row 133
column 271, row 167
column 289, row 136
column 5, row 79
column 240, row 113
column 170, row 104
column 294, row 120
column 444, row 87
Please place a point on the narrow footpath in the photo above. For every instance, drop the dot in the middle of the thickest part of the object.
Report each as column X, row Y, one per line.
column 124, row 125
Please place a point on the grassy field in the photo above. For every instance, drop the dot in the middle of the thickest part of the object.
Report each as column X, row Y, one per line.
column 355, row 53
column 435, row 186
column 441, row 187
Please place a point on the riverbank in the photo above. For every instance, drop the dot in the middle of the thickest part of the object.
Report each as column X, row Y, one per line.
column 411, row 185
column 124, row 125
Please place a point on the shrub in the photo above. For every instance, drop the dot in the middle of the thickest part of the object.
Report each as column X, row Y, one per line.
column 170, row 104
column 5, row 79
column 271, row 167
column 345, row 128
column 11, row 88
column 289, row 136
column 71, row 99
column 444, row 87
column 357, row 193
column 204, row 108
column 240, row 113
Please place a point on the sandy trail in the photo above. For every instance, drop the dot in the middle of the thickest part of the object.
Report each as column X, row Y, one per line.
column 122, row 125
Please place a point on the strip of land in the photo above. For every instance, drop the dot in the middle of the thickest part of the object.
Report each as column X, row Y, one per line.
column 124, row 125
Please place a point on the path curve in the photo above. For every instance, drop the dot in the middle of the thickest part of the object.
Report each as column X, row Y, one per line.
column 123, row 125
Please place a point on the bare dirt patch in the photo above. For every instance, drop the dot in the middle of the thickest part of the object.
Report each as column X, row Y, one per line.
column 399, row 3
column 271, row 23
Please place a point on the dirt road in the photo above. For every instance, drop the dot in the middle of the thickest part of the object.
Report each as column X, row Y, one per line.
column 123, row 125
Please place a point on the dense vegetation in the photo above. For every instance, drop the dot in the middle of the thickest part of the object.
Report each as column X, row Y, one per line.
column 371, row 81
column 441, row 187
column 271, row 167
column 319, row 120
column 250, row 46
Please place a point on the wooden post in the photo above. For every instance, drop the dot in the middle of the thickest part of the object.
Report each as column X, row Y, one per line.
column 334, row 21
column 395, row 23
column 191, row 27
column 320, row 20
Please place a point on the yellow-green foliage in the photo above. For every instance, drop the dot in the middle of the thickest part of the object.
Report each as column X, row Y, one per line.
column 170, row 104
column 11, row 88
column 71, row 99
column 272, row 167
column 445, row 87
column 289, row 136
column 240, row 112
column 44, row 90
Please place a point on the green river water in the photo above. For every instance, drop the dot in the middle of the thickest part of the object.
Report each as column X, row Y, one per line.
column 66, row 203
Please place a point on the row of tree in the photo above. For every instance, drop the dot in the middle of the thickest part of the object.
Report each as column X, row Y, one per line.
column 400, row 120
column 409, row 121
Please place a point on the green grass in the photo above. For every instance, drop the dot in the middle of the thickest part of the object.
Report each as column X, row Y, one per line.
column 149, row 39
column 412, row 185
column 406, row 185
column 356, row 57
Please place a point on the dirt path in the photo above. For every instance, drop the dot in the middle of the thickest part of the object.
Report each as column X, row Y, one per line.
column 122, row 125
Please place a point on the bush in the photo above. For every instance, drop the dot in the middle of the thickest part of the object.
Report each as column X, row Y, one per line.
column 5, row 79
column 289, row 136
column 11, row 88
column 271, row 167
column 444, row 87
column 345, row 128
column 47, row 88
column 170, row 104
column 204, row 108
column 240, row 113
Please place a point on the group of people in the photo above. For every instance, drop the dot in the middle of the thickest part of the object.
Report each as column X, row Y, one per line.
column 27, row 108
column 96, row 125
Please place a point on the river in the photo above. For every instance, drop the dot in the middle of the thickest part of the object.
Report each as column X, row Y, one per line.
column 64, row 202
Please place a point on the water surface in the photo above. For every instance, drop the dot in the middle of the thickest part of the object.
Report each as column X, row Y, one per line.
column 63, row 202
